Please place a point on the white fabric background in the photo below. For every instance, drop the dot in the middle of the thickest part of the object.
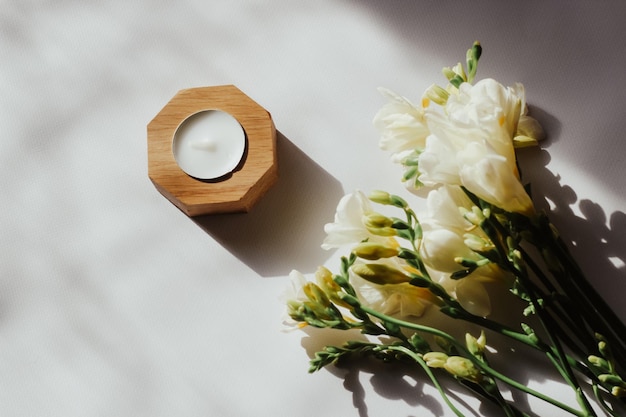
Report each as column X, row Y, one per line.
column 114, row 303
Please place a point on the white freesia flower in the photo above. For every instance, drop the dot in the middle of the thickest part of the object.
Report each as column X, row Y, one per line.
column 529, row 131
column 292, row 296
column 401, row 123
column 441, row 247
column 473, row 296
column 471, row 144
column 487, row 105
column 294, row 291
column 444, row 229
column 470, row 292
column 348, row 227
column 443, row 205
column 438, row 163
column 490, row 177
column 355, row 221
column 446, row 239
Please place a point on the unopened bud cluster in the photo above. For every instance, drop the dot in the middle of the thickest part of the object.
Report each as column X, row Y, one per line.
column 458, row 366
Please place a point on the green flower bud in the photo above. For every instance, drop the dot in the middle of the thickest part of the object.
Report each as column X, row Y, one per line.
column 379, row 225
column 618, row 392
column 477, row 243
column 463, row 368
column 612, row 380
column 380, row 197
column 295, row 310
column 604, row 349
column 376, row 221
column 316, row 294
column 435, row 359
column 476, row 346
column 476, row 216
column 380, row 274
column 383, row 231
column 436, row 94
column 448, row 73
column 373, row 251
column 599, row 362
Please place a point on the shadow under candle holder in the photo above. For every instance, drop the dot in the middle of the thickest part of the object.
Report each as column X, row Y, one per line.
column 285, row 229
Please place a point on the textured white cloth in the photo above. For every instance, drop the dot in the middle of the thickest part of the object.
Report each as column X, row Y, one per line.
column 114, row 303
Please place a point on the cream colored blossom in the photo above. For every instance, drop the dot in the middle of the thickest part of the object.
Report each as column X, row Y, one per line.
column 401, row 124
column 441, row 247
column 355, row 221
column 348, row 227
column 293, row 296
column 471, row 144
column 445, row 243
column 444, row 206
column 470, row 291
column 491, row 177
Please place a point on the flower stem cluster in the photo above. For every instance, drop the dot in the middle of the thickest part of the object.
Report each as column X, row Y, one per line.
column 480, row 227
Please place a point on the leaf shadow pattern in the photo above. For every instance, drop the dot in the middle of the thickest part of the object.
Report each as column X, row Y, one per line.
column 597, row 241
column 399, row 381
column 393, row 381
column 267, row 239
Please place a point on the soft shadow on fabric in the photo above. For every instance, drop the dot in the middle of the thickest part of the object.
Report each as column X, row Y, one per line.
column 595, row 239
column 393, row 381
column 285, row 229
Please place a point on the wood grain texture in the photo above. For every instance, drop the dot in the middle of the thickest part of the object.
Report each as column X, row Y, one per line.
column 238, row 191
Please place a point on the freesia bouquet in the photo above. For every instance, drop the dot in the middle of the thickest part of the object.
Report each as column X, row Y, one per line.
column 480, row 227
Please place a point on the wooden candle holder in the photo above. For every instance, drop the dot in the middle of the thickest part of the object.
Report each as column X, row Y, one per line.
column 236, row 192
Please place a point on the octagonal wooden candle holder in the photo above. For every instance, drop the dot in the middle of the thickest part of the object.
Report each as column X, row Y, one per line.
column 239, row 190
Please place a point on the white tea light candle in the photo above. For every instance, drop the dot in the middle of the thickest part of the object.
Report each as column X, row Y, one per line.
column 255, row 158
column 209, row 144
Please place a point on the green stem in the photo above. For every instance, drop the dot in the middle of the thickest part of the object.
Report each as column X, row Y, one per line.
column 557, row 354
column 611, row 326
column 484, row 367
column 417, row 358
column 495, row 397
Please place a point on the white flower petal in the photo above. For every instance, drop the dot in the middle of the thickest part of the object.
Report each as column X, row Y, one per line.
column 473, row 297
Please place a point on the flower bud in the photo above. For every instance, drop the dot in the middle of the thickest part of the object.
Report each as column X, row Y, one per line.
column 325, row 280
column 618, row 392
column 599, row 362
column 462, row 368
column 380, row 197
column 316, row 294
column 435, row 359
column 436, row 94
column 376, row 221
column 373, row 251
column 476, row 346
column 379, row 225
column 456, row 71
column 477, row 243
column 380, row 274
column 612, row 380
column 603, row 348
column 448, row 73
column 521, row 141
column 476, row 216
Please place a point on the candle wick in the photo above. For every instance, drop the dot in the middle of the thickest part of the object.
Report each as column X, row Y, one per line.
column 205, row 144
